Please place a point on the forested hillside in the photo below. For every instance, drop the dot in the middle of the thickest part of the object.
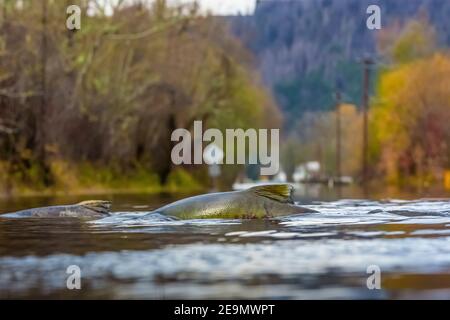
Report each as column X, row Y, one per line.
column 305, row 46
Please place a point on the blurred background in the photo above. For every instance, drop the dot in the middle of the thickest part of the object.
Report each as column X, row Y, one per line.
column 363, row 112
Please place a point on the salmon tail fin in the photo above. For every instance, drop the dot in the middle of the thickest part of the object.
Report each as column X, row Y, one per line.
column 278, row 192
column 99, row 206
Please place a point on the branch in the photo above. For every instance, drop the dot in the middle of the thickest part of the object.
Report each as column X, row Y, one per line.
column 14, row 95
column 146, row 33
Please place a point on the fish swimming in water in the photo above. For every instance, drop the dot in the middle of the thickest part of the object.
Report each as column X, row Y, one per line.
column 263, row 201
column 85, row 209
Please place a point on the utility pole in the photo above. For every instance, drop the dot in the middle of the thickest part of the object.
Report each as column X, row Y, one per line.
column 367, row 62
column 338, row 135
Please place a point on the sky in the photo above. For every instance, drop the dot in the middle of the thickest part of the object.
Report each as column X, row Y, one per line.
column 216, row 7
column 225, row 7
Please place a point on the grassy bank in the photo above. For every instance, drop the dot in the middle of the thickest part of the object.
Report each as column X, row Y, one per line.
column 83, row 179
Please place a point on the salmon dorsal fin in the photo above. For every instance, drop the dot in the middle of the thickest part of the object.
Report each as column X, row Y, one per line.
column 278, row 192
column 100, row 206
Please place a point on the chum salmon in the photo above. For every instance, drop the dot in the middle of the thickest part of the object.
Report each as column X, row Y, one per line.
column 264, row 201
column 85, row 209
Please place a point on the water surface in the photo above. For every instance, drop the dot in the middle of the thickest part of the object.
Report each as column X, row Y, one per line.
column 322, row 255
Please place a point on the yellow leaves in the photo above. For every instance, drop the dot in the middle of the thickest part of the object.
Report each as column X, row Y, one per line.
column 412, row 112
column 387, row 115
column 416, row 41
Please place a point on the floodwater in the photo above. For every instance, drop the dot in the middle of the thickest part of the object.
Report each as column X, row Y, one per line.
column 325, row 255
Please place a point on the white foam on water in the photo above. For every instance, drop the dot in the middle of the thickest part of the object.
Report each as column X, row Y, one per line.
column 214, row 262
column 430, row 232
column 149, row 219
column 423, row 220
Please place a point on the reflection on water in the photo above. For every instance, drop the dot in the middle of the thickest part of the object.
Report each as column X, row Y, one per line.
column 134, row 254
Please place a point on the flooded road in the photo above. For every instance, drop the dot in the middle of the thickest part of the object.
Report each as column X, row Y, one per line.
column 320, row 255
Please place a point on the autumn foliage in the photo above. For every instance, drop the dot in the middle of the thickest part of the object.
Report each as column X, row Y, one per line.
column 411, row 119
column 110, row 94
